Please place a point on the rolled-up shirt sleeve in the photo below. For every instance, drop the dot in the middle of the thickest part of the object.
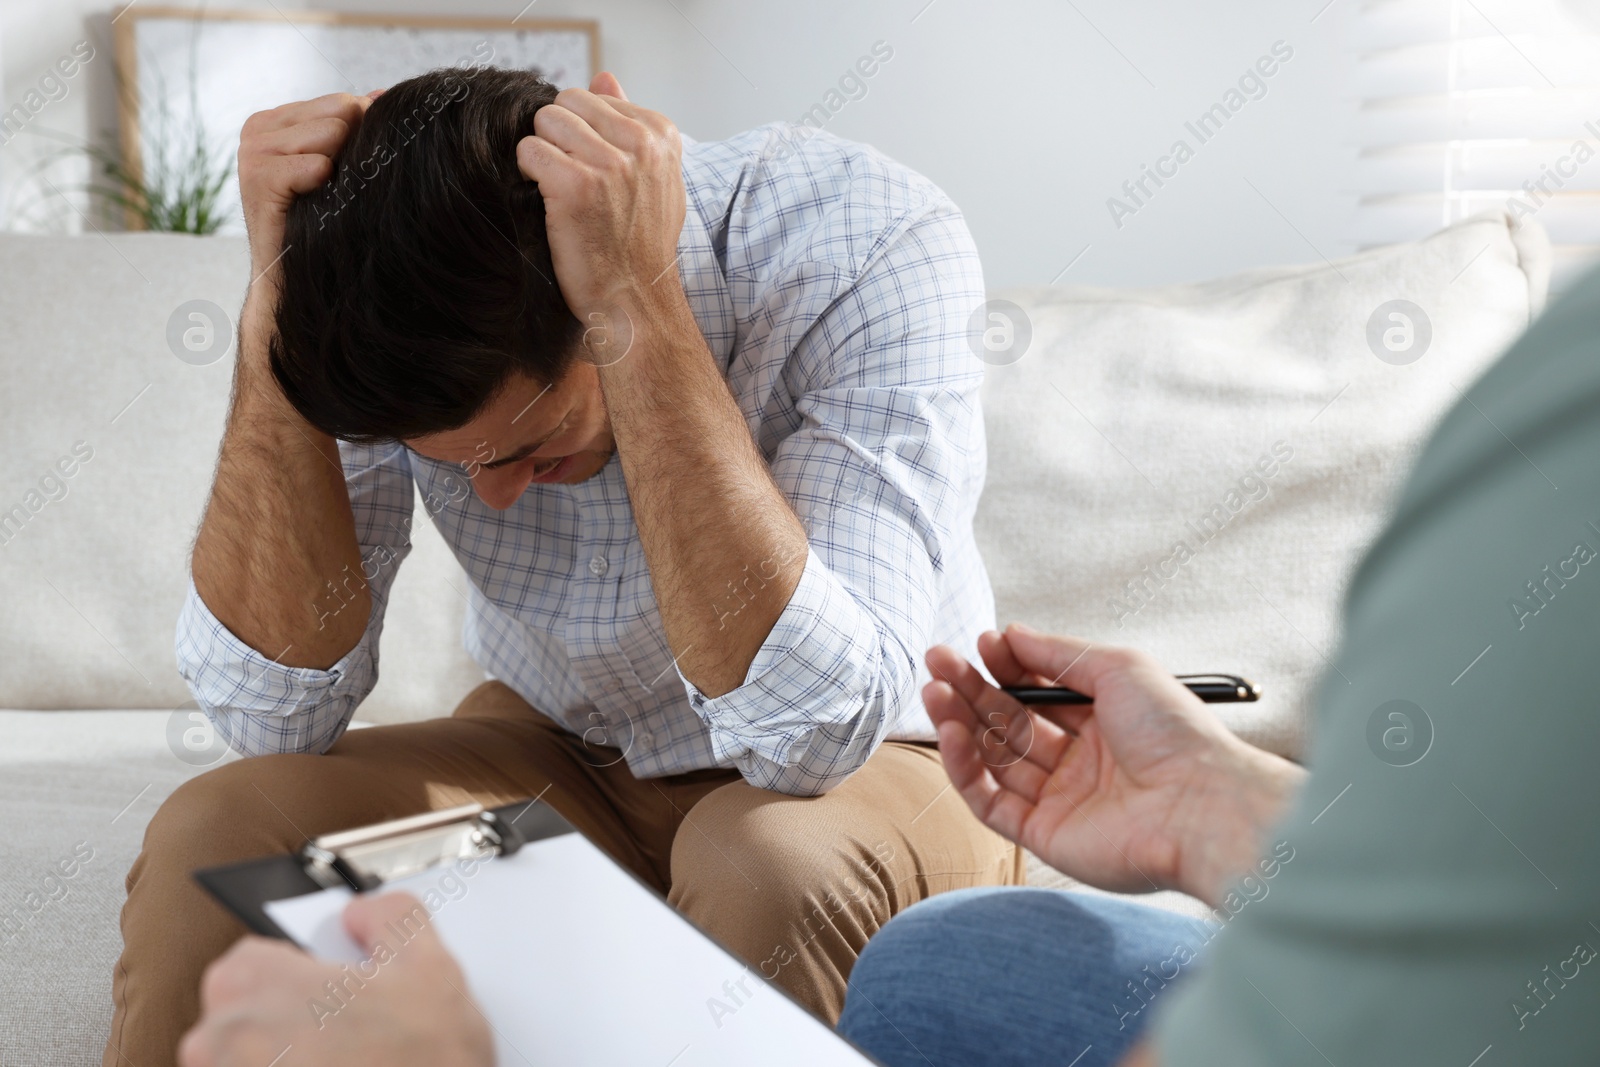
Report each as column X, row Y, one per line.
column 884, row 470
column 259, row 706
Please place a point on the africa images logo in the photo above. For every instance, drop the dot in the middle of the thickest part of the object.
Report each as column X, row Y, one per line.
column 1399, row 733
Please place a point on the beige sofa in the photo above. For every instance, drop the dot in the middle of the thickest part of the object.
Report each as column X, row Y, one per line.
column 1133, row 421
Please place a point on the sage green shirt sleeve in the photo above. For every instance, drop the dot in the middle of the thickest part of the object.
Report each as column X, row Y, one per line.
column 1443, row 902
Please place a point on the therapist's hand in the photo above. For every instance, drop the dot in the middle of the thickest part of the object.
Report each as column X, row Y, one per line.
column 1153, row 792
column 407, row 1007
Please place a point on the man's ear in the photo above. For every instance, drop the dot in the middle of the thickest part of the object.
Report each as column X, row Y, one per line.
column 605, row 84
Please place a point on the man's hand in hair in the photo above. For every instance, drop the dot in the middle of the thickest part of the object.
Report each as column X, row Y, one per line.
column 283, row 153
column 610, row 175
column 279, row 505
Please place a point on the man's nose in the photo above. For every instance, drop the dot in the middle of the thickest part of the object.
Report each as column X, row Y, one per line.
column 501, row 488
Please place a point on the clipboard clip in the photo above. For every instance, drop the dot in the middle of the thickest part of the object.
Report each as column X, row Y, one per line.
column 364, row 859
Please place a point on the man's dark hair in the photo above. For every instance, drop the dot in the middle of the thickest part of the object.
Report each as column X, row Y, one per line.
column 417, row 279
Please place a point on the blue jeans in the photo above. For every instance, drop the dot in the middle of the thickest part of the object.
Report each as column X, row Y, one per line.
column 996, row 977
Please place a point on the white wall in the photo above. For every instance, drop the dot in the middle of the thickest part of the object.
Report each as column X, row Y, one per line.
column 1031, row 113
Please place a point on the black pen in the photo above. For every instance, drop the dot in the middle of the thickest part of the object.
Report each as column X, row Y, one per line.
column 1211, row 688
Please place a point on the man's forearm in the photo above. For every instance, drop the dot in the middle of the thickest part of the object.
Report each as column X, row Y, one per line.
column 278, row 528
column 724, row 546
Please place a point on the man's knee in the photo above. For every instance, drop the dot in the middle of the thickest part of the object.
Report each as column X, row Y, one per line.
column 773, row 866
column 226, row 813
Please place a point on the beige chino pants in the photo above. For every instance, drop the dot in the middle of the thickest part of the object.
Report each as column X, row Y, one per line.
column 793, row 885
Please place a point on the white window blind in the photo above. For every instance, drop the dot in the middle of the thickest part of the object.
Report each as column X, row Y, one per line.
column 1474, row 104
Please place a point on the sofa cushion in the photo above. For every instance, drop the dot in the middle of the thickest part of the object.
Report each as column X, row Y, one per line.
column 1194, row 470
column 95, row 563
column 77, row 788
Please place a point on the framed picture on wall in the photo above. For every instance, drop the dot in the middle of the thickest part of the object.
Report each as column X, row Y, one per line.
column 188, row 78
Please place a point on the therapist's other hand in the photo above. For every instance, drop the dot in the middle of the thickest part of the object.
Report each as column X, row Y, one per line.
column 1146, row 789
column 407, row 1006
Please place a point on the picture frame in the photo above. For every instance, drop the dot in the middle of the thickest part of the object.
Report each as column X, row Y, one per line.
column 217, row 67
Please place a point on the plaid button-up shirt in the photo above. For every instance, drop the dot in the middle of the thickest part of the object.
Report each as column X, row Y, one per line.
column 834, row 288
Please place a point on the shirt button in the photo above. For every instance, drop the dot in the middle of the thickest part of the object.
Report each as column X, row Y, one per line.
column 598, row 566
column 646, row 740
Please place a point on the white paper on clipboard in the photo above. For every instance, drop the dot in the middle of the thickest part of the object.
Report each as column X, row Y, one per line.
column 574, row 962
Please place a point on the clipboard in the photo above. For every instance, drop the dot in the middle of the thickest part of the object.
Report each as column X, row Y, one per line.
column 572, row 957
column 366, row 858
